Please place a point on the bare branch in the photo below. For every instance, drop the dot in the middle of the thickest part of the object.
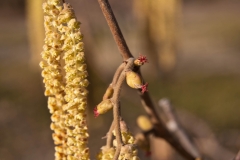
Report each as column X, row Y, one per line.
column 109, row 136
column 159, row 126
column 113, row 25
column 117, row 74
column 172, row 123
column 116, row 107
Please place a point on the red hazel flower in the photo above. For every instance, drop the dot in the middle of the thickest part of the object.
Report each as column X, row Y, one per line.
column 144, row 88
column 95, row 111
column 142, row 59
column 102, row 107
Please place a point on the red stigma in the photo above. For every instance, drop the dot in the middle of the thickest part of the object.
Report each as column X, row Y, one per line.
column 142, row 59
column 144, row 88
column 95, row 111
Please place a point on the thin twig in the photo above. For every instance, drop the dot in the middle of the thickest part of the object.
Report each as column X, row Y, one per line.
column 117, row 74
column 109, row 136
column 116, row 108
column 113, row 25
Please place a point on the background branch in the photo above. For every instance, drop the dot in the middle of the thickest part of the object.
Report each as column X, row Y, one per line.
column 237, row 157
column 172, row 123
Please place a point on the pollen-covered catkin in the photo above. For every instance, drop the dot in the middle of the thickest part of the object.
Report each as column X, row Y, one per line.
column 67, row 97
column 53, row 79
column 128, row 150
column 76, row 83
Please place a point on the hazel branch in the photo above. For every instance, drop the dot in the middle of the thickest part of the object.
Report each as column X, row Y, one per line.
column 117, row 74
column 159, row 125
column 110, row 136
column 116, row 107
column 113, row 25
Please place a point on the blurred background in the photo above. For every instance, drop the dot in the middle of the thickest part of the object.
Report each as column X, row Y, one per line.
column 194, row 59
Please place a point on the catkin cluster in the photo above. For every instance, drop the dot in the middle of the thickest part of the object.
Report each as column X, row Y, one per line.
column 67, row 96
column 128, row 150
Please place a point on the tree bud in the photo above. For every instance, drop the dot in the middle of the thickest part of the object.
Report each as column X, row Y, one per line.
column 144, row 123
column 133, row 79
column 103, row 107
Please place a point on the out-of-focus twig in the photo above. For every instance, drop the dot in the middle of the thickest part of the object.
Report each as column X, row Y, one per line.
column 237, row 156
column 172, row 123
column 204, row 137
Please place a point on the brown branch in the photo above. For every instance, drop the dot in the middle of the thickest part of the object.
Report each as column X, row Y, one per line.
column 172, row 124
column 109, row 135
column 116, row 107
column 160, row 129
column 117, row 74
column 113, row 25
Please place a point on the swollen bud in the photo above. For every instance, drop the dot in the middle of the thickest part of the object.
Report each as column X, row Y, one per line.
column 103, row 107
column 109, row 92
column 133, row 79
column 144, row 123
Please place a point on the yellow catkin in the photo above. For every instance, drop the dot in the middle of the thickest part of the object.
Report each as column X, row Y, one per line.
column 53, row 78
column 76, row 83
column 67, row 97
column 128, row 151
